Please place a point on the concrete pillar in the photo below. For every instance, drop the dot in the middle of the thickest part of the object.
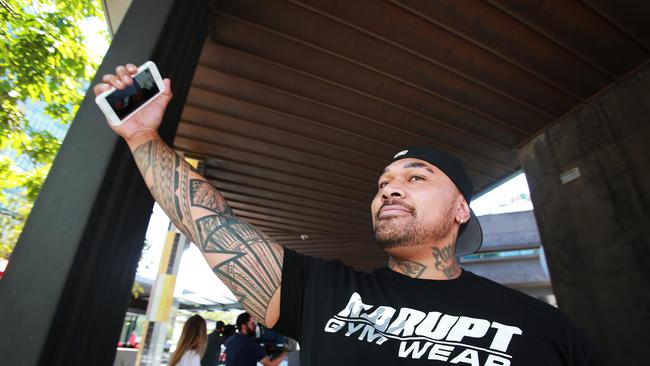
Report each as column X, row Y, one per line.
column 589, row 179
column 65, row 292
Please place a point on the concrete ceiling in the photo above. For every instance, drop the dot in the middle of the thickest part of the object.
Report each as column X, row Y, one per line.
column 297, row 106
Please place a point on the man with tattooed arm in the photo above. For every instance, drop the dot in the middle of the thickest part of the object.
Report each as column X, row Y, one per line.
column 423, row 309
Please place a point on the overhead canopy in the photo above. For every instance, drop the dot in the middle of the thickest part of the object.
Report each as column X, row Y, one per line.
column 297, row 106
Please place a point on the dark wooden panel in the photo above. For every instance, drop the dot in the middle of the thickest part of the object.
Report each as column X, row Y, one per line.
column 358, row 241
column 370, row 109
column 316, row 114
column 419, row 34
column 515, row 43
column 397, row 133
column 297, row 142
column 295, row 227
column 576, row 26
column 233, row 153
column 292, row 239
column 217, row 165
column 312, row 210
column 339, row 137
column 261, row 192
column 630, row 17
column 380, row 56
column 334, row 225
column 275, row 150
column 293, row 190
column 370, row 84
column 298, row 224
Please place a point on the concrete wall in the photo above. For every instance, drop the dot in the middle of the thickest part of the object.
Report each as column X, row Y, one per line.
column 589, row 178
column 506, row 232
column 115, row 12
column 509, row 231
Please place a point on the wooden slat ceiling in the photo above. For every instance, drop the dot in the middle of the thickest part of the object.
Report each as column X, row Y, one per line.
column 297, row 106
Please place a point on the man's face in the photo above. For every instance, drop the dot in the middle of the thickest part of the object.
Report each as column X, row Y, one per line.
column 415, row 203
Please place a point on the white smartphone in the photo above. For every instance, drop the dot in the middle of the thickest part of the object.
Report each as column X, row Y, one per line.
column 119, row 105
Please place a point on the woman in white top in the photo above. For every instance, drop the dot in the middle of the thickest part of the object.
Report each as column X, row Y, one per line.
column 191, row 345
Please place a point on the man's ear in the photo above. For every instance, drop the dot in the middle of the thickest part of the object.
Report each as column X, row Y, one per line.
column 463, row 213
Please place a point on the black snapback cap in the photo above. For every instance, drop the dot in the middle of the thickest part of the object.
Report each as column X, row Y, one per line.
column 470, row 234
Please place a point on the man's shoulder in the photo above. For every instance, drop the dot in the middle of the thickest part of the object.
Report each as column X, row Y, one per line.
column 235, row 338
column 240, row 338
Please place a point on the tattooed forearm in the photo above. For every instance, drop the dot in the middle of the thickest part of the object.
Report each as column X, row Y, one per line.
column 245, row 259
column 409, row 268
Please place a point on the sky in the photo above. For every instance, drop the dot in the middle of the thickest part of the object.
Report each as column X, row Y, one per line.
column 94, row 30
column 511, row 196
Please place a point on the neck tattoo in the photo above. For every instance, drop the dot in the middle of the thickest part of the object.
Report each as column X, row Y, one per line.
column 446, row 261
column 409, row 268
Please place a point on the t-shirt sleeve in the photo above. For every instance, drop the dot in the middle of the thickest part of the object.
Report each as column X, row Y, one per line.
column 295, row 275
column 195, row 359
column 585, row 352
column 578, row 346
column 190, row 358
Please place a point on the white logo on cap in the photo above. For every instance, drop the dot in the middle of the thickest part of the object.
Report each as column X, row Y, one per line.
column 403, row 152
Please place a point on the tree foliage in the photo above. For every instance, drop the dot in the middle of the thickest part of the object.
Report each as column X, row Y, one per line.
column 42, row 59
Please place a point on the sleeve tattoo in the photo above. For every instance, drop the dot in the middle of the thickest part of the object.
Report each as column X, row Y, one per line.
column 247, row 260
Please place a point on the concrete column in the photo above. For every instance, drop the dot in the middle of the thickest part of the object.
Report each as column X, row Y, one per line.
column 589, row 179
column 65, row 292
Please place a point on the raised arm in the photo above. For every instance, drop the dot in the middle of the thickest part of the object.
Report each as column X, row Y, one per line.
column 243, row 257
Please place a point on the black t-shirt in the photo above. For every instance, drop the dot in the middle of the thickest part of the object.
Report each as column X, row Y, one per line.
column 344, row 317
column 242, row 351
column 212, row 350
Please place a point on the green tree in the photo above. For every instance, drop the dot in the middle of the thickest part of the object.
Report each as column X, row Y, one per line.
column 42, row 59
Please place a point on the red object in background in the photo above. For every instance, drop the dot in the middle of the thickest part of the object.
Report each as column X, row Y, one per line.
column 132, row 337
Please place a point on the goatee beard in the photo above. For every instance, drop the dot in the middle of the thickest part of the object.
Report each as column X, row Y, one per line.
column 392, row 234
column 406, row 231
column 251, row 333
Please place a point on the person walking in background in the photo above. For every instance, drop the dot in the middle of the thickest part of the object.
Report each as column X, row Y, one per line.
column 191, row 345
column 132, row 340
column 213, row 350
column 242, row 351
column 229, row 331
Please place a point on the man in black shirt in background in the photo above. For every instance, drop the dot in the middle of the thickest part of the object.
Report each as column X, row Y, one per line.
column 213, row 349
column 242, row 351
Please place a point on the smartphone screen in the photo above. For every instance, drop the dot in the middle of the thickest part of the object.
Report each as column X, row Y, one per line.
column 127, row 100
